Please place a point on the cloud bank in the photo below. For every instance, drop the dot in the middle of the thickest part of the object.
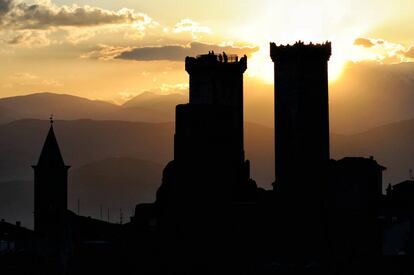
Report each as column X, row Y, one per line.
column 383, row 51
column 178, row 53
column 45, row 15
column 44, row 23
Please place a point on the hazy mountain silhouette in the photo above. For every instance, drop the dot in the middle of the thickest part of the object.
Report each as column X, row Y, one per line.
column 41, row 105
column 107, row 159
column 157, row 108
column 156, row 101
column 116, row 154
column 81, row 142
column 370, row 95
column 367, row 95
column 7, row 115
column 114, row 183
column 86, row 141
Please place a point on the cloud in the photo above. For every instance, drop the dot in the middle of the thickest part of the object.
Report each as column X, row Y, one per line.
column 105, row 52
column 363, row 42
column 190, row 26
column 45, row 15
column 43, row 23
column 23, row 76
column 51, row 82
column 381, row 51
column 25, row 79
column 127, row 95
column 5, row 6
column 28, row 38
column 178, row 53
column 76, row 35
column 178, row 87
column 409, row 53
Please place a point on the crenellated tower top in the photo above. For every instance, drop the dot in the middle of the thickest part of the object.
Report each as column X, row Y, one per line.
column 300, row 50
column 217, row 62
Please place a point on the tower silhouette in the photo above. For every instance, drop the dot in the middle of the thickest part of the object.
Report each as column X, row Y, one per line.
column 209, row 163
column 301, row 116
column 50, row 187
column 217, row 83
column 302, row 146
column 209, row 172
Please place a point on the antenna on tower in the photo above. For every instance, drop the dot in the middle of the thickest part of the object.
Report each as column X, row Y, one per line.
column 101, row 212
column 108, row 214
column 121, row 216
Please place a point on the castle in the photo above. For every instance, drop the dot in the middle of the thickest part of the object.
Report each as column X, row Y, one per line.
column 323, row 216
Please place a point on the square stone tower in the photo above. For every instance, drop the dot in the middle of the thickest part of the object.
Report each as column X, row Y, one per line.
column 301, row 115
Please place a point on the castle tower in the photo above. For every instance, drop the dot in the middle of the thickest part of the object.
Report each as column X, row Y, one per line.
column 217, row 80
column 301, row 115
column 302, row 147
column 209, row 174
column 50, row 180
column 209, row 164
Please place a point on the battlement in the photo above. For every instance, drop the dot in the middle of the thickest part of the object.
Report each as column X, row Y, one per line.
column 300, row 49
column 214, row 61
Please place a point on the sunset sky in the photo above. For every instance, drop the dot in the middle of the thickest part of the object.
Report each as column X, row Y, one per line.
column 114, row 50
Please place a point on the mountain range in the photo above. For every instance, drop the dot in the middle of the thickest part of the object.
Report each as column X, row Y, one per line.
column 368, row 95
column 147, row 107
column 117, row 164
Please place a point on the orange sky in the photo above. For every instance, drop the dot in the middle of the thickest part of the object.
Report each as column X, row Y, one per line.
column 78, row 47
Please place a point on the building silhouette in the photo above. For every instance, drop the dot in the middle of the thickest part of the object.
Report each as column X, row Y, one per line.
column 50, row 204
column 301, row 117
column 209, row 164
column 51, row 185
column 302, row 147
column 209, row 172
column 355, row 195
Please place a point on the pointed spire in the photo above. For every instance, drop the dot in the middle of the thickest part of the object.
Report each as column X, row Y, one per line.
column 50, row 155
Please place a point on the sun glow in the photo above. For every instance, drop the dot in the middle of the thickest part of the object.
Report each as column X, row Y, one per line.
column 282, row 23
column 260, row 65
